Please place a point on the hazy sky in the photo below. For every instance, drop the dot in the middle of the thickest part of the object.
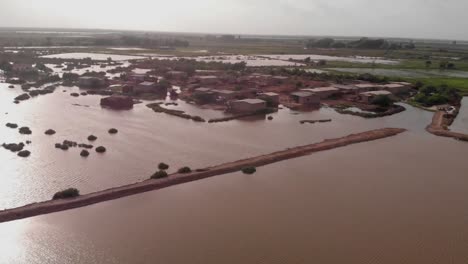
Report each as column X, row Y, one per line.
column 397, row 18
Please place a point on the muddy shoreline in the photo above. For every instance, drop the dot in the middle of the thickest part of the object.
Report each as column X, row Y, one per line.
column 439, row 127
column 53, row 206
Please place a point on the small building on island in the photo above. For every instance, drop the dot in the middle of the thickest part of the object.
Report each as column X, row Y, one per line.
column 91, row 82
column 178, row 75
column 247, row 105
column 117, row 102
column 366, row 87
column 204, row 95
column 397, row 88
column 145, row 87
column 226, row 94
column 305, row 98
column 137, row 77
column 272, row 99
column 367, row 97
column 350, row 89
column 207, row 80
column 323, row 92
column 23, row 67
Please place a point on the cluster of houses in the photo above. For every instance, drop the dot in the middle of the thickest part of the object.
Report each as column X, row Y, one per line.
column 229, row 97
column 307, row 97
column 364, row 93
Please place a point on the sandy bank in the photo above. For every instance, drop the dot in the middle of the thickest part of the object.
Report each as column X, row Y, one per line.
column 175, row 179
column 439, row 127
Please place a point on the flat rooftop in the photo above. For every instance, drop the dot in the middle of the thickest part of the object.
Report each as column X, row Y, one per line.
column 377, row 93
column 270, row 94
column 207, row 77
column 303, row 94
column 345, row 87
column 202, row 89
column 322, row 89
column 252, row 101
column 225, row 91
column 147, row 84
column 367, row 85
column 394, row 85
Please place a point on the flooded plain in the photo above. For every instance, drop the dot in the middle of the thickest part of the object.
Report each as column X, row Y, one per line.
column 315, row 57
column 396, row 200
column 405, row 72
column 461, row 122
column 93, row 56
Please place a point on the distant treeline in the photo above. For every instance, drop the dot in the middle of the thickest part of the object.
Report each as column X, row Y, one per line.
column 363, row 43
column 153, row 42
column 144, row 41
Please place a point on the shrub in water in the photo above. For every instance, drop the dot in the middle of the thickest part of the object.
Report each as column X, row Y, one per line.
column 100, row 149
column 159, row 175
column 185, row 170
column 50, row 132
column 66, row 194
column 249, row 170
column 163, row 166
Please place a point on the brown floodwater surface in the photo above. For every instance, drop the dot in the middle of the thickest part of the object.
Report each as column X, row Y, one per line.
column 396, row 200
column 145, row 138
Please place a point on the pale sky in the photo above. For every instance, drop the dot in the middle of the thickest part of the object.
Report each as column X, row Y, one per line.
column 389, row 18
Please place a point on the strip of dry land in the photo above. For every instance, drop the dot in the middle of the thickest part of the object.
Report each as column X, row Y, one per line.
column 175, row 179
column 439, row 127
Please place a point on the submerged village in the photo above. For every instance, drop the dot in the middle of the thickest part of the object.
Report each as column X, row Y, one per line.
column 228, row 86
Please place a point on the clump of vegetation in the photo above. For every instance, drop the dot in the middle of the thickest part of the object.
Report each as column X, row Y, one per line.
column 84, row 153
column 431, row 95
column 113, row 131
column 25, row 131
column 66, row 194
column 11, row 125
column 382, row 101
column 184, row 170
column 50, row 132
column 24, row 153
column 100, row 149
column 22, row 97
column 86, row 146
column 13, row 147
column 92, row 138
column 160, row 175
column 249, row 170
column 163, row 166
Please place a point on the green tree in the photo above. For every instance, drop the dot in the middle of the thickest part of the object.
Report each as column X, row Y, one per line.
column 382, row 100
column 428, row 64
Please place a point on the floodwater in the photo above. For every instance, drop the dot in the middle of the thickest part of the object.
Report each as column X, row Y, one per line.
column 93, row 56
column 461, row 122
column 91, row 68
column 314, row 57
column 127, row 48
column 397, row 200
column 252, row 61
column 406, row 72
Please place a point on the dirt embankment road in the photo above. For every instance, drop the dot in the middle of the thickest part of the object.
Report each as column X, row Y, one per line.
column 439, row 125
column 175, row 179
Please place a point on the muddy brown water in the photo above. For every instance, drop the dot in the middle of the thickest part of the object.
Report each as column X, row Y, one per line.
column 396, row 200
column 461, row 122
